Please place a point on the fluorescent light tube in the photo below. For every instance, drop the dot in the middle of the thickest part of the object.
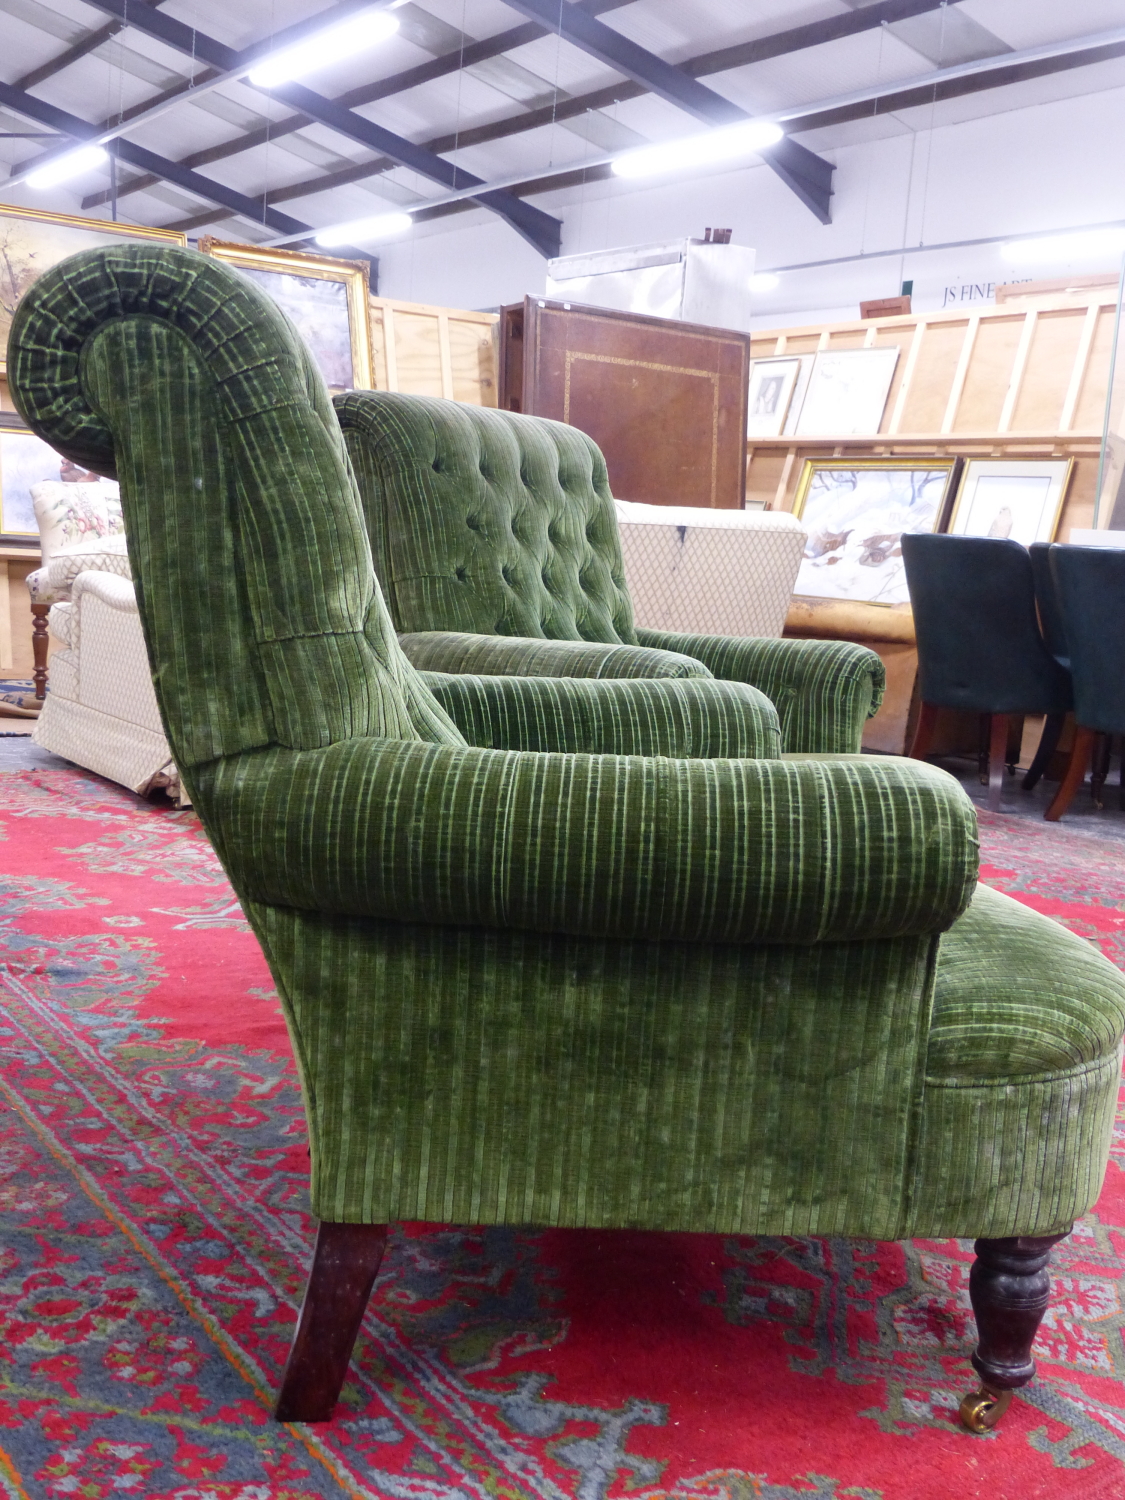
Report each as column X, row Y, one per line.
column 764, row 281
column 380, row 227
column 333, row 44
column 1087, row 244
column 722, row 144
column 61, row 168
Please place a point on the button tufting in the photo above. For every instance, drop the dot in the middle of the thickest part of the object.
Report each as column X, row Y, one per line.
column 506, row 573
column 473, row 523
column 463, row 574
column 436, row 465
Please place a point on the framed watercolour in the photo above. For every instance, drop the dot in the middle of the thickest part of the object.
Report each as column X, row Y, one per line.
column 25, row 460
column 847, row 392
column 32, row 241
column 1021, row 499
column 771, row 390
column 855, row 512
column 326, row 298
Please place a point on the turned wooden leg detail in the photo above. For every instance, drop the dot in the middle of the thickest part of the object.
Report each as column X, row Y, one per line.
column 40, row 641
column 1009, row 1287
column 343, row 1272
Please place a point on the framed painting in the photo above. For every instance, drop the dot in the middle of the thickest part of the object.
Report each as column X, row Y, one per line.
column 32, row 241
column 847, row 392
column 26, row 460
column 771, row 390
column 326, row 299
column 1021, row 499
column 855, row 512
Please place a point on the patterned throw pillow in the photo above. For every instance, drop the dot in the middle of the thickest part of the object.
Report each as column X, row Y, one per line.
column 69, row 514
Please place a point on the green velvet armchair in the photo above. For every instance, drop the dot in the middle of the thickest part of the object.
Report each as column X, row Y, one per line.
column 486, row 524
column 558, row 952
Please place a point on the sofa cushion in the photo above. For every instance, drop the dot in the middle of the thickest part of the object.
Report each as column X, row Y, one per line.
column 1019, row 996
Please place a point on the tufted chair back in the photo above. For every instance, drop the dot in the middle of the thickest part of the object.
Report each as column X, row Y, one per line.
column 263, row 620
column 487, row 522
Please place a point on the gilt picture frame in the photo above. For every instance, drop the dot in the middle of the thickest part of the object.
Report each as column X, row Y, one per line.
column 33, row 240
column 326, row 298
column 855, row 512
column 1017, row 498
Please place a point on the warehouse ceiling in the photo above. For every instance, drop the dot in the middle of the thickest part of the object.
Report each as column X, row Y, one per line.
column 523, row 99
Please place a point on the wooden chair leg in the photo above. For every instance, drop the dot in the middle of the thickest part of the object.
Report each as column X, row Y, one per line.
column 923, row 730
column 1048, row 744
column 345, row 1264
column 1075, row 773
column 997, row 756
column 1009, row 1288
column 40, row 643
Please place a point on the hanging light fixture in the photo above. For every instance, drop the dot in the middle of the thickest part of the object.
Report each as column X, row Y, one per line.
column 365, row 231
column 333, row 44
column 706, row 149
column 70, row 164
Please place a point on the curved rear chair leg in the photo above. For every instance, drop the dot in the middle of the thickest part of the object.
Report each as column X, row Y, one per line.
column 1075, row 773
column 1048, row 744
column 1009, row 1287
column 923, row 731
column 344, row 1267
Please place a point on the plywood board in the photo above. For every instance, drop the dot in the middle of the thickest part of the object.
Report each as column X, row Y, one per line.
column 434, row 351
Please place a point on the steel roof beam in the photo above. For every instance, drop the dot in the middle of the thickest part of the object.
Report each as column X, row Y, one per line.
column 539, row 229
column 776, row 44
column 805, row 173
column 371, row 93
column 201, row 187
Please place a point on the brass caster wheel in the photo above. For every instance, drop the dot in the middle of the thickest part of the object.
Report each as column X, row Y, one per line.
column 981, row 1411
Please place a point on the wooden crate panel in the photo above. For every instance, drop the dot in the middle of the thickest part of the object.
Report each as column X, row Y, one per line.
column 472, row 361
column 1054, row 346
column 988, row 375
column 938, row 360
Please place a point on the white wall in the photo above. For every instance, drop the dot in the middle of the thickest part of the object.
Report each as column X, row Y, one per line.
column 1048, row 165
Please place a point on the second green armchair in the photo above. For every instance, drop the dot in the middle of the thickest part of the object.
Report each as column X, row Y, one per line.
column 495, row 541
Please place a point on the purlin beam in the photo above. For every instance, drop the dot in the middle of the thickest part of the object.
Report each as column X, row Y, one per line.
column 539, row 229
column 808, row 175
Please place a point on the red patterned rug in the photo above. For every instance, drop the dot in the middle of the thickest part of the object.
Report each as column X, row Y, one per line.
column 155, row 1240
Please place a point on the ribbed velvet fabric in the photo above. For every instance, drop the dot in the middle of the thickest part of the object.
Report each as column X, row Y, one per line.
column 487, row 523
column 579, row 952
column 522, row 656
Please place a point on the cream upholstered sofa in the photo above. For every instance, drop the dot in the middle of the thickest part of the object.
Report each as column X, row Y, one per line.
column 716, row 572
column 101, row 709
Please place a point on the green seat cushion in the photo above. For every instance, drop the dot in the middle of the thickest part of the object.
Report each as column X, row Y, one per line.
column 1018, row 996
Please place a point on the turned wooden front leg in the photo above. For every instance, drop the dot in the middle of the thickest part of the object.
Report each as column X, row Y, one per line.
column 40, row 642
column 1009, row 1288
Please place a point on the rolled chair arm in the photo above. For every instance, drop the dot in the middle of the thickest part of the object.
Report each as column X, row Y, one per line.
column 693, row 718
column 824, row 691
column 527, row 656
column 737, row 851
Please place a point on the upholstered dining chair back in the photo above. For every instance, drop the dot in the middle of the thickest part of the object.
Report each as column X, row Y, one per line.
column 1047, row 602
column 486, row 521
column 238, row 438
column 1090, row 583
column 979, row 645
